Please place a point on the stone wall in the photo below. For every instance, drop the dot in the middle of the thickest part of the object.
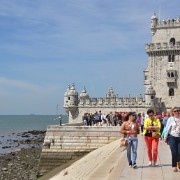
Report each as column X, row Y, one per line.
column 64, row 143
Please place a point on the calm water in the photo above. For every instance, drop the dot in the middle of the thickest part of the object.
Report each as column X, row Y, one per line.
column 10, row 125
column 21, row 123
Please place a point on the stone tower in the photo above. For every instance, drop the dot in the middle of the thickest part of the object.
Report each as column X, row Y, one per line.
column 163, row 71
column 71, row 101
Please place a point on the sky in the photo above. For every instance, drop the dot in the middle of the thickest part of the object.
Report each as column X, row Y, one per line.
column 45, row 45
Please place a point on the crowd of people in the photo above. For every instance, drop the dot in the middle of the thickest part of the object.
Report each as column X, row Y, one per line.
column 99, row 119
column 110, row 119
column 153, row 126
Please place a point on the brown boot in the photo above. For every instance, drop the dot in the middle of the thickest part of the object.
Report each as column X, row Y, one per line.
column 175, row 169
column 178, row 165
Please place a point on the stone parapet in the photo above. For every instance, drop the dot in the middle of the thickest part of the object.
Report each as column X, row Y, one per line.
column 64, row 143
column 162, row 47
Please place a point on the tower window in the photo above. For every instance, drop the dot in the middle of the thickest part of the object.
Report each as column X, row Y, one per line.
column 68, row 98
column 171, row 92
column 172, row 41
column 145, row 78
column 171, row 58
column 172, row 74
column 152, row 97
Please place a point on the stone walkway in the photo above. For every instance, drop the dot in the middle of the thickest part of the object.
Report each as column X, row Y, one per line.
column 110, row 163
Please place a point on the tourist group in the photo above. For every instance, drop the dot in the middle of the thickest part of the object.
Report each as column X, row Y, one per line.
column 153, row 126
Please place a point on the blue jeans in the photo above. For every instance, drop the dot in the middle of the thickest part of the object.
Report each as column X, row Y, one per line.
column 174, row 143
column 132, row 145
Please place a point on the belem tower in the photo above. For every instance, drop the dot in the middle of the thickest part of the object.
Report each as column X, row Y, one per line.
column 161, row 79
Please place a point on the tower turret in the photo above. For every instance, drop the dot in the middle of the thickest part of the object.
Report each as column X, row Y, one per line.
column 71, row 100
column 111, row 94
column 84, row 96
column 154, row 23
column 66, row 99
column 150, row 97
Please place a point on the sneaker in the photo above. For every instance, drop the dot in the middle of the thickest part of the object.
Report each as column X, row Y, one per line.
column 156, row 164
column 150, row 163
column 130, row 164
column 134, row 165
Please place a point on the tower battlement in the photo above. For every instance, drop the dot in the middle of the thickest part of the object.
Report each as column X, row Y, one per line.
column 162, row 47
column 169, row 23
column 117, row 102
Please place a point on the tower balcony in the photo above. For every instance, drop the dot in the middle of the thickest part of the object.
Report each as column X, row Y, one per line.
column 172, row 76
column 162, row 47
column 171, row 80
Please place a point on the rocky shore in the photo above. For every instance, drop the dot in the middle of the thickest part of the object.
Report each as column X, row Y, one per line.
column 23, row 160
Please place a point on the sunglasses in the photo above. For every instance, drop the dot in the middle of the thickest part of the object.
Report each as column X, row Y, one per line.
column 150, row 115
column 176, row 111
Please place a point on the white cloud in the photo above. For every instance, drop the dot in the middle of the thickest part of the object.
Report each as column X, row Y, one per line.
column 19, row 84
column 29, row 88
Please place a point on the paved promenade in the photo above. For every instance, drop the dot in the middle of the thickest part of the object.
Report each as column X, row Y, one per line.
column 110, row 163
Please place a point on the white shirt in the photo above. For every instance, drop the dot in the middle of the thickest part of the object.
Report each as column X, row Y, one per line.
column 172, row 127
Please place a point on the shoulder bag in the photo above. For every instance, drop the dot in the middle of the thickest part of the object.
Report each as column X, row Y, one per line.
column 155, row 134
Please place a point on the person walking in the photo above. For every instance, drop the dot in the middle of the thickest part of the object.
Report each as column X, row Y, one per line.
column 152, row 125
column 130, row 129
column 165, row 120
column 110, row 119
column 142, row 121
column 172, row 137
column 96, row 118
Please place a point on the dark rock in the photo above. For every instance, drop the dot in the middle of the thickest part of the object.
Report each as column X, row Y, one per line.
column 27, row 141
column 8, row 159
column 5, row 147
column 26, row 136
